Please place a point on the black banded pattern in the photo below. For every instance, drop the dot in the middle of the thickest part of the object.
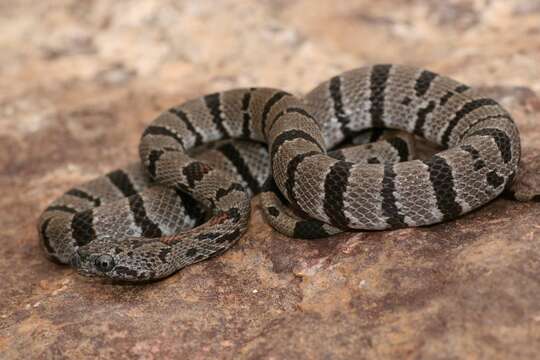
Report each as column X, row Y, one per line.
column 440, row 174
column 501, row 139
column 461, row 113
column 82, row 227
column 213, row 102
column 389, row 203
column 421, row 118
column 183, row 117
column 268, row 107
column 291, row 135
column 122, row 182
column 163, row 131
column 232, row 154
column 339, row 112
column 378, row 79
column 147, row 226
column 292, row 110
column 291, row 173
column 335, row 185
column 424, row 82
column 84, row 195
column 63, row 208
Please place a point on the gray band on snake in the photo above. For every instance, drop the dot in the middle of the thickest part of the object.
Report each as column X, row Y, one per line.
column 481, row 160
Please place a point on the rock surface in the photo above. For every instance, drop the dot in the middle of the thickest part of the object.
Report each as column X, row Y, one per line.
column 78, row 83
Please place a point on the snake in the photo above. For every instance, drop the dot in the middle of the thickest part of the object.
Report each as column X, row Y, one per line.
column 179, row 205
column 126, row 202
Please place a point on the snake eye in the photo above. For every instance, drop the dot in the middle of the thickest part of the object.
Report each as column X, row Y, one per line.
column 104, row 263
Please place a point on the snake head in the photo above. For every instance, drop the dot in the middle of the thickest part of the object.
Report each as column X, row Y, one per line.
column 131, row 260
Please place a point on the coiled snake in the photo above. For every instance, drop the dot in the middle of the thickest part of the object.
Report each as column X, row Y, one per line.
column 147, row 222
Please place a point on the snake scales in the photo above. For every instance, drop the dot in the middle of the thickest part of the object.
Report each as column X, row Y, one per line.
column 147, row 222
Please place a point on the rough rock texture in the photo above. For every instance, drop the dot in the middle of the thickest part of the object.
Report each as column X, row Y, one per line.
column 78, row 82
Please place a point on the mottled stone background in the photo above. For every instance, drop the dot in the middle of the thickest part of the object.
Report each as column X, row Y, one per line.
column 80, row 79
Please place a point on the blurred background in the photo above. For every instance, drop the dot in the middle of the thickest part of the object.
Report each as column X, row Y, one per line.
column 79, row 81
column 172, row 46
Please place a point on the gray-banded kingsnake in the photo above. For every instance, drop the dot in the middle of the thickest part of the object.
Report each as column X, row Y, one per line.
column 208, row 156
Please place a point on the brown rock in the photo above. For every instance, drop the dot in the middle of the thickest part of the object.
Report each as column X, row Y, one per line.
column 78, row 83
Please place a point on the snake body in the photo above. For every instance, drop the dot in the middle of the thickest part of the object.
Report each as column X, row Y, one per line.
column 328, row 193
